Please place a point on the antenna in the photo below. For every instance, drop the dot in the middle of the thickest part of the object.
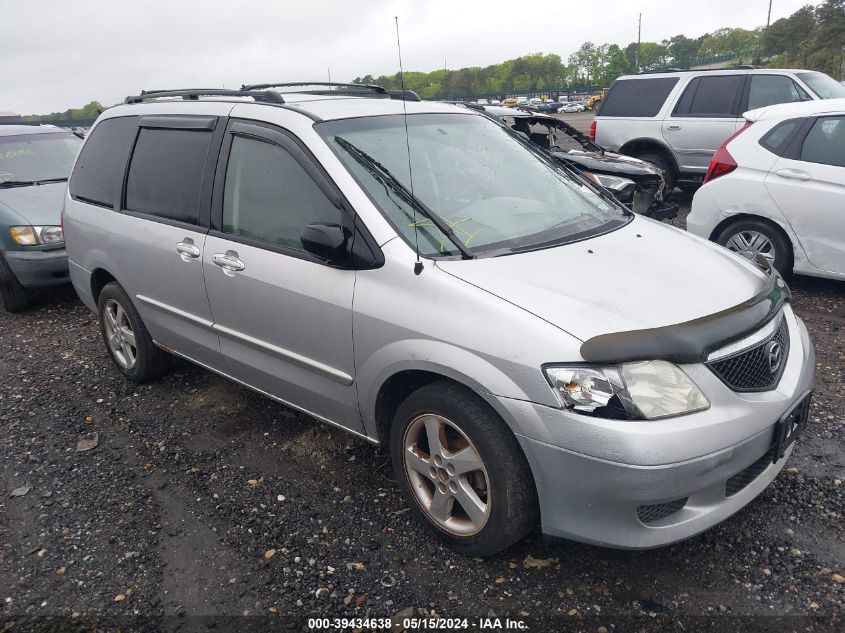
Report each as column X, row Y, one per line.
column 418, row 266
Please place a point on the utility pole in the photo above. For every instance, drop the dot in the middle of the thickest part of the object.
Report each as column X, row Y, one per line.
column 769, row 19
column 639, row 41
column 842, row 63
column 330, row 77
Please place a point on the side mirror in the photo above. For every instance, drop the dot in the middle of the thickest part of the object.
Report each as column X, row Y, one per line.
column 326, row 241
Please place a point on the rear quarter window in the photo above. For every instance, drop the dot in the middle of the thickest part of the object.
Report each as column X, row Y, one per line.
column 777, row 139
column 637, row 97
column 98, row 173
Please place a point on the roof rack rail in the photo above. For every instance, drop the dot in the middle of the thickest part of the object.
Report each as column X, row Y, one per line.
column 338, row 88
column 696, row 70
column 193, row 94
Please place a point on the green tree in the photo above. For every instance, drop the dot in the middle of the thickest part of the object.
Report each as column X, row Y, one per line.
column 727, row 41
column 682, row 50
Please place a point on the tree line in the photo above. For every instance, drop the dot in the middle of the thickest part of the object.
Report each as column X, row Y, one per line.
column 811, row 38
column 90, row 111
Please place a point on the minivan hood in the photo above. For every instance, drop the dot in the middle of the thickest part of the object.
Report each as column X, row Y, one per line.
column 39, row 205
column 644, row 275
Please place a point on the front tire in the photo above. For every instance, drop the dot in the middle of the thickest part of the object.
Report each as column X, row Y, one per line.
column 13, row 295
column 752, row 237
column 461, row 470
column 126, row 337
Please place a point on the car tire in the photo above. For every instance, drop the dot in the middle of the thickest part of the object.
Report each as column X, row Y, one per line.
column 665, row 164
column 741, row 232
column 120, row 327
column 13, row 295
column 500, row 495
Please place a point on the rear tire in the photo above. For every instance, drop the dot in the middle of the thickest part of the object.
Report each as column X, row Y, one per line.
column 665, row 164
column 760, row 236
column 475, row 456
column 14, row 296
column 126, row 337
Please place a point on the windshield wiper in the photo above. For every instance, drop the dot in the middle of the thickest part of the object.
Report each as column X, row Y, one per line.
column 17, row 183
column 29, row 183
column 380, row 173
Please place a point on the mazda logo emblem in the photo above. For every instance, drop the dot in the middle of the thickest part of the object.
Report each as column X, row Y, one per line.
column 774, row 354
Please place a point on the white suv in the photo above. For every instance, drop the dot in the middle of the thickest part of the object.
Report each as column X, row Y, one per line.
column 677, row 119
column 777, row 189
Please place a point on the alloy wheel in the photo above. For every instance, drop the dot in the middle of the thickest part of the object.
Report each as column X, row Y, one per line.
column 447, row 475
column 119, row 334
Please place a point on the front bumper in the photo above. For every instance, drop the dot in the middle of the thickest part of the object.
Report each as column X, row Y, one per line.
column 602, row 482
column 37, row 268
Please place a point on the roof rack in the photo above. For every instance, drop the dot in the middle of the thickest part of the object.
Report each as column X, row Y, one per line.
column 696, row 70
column 193, row 94
column 334, row 88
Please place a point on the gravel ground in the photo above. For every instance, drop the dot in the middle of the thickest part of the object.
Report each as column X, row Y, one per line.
column 203, row 502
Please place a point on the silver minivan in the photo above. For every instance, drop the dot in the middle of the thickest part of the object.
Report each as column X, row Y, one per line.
column 676, row 120
column 422, row 277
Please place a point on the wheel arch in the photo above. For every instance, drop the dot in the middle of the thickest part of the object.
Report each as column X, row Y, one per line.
column 100, row 277
column 645, row 144
column 739, row 217
column 781, row 226
column 395, row 388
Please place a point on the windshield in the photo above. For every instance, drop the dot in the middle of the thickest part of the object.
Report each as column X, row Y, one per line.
column 823, row 85
column 480, row 183
column 32, row 158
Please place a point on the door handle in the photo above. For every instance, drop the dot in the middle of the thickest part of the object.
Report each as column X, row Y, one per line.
column 187, row 250
column 795, row 174
column 228, row 261
column 674, row 126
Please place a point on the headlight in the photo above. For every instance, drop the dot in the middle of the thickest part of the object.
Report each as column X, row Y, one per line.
column 50, row 234
column 644, row 390
column 616, row 184
column 32, row 235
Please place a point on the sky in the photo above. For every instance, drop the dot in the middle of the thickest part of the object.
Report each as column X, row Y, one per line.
column 56, row 54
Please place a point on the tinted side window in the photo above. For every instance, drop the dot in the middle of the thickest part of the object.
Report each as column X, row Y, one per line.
column 269, row 197
column 765, row 90
column 711, row 96
column 165, row 174
column 98, row 174
column 825, row 143
column 637, row 97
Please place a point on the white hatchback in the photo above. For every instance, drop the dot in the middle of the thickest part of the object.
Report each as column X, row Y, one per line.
column 776, row 188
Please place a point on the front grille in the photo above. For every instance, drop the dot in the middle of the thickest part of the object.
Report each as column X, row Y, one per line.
column 739, row 481
column 751, row 369
column 650, row 514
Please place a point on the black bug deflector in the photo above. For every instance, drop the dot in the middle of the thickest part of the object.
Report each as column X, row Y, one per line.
column 691, row 341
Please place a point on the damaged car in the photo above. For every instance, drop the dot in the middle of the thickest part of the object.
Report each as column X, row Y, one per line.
column 635, row 183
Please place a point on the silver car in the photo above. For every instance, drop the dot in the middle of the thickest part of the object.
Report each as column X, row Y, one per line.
column 529, row 350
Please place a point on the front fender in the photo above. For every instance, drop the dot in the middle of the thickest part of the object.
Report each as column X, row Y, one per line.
column 441, row 358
